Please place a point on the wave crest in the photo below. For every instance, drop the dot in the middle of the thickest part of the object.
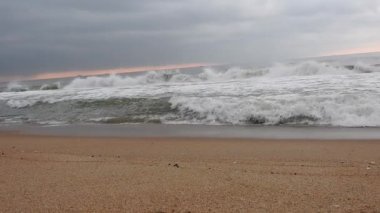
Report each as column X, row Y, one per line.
column 345, row 110
column 53, row 86
column 16, row 87
column 307, row 68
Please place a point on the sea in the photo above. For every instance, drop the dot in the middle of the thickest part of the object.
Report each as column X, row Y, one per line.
column 336, row 91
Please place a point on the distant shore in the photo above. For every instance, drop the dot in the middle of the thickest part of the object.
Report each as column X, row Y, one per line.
column 160, row 174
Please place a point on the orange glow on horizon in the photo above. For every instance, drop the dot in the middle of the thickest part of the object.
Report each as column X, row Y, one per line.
column 75, row 73
column 366, row 49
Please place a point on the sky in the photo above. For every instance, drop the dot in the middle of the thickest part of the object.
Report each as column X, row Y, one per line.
column 52, row 36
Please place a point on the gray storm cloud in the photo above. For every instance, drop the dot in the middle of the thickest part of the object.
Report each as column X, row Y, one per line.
column 55, row 35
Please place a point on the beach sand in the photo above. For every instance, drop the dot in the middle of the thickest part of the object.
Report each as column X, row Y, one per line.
column 88, row 174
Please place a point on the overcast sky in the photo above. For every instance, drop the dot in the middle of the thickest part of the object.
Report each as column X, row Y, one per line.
column 57, row 35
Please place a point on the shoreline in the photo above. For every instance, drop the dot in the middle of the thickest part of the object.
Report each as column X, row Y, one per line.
column 198, row 131
column 158, row 174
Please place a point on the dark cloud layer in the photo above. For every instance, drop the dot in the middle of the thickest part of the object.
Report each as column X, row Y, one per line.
column 56, row 35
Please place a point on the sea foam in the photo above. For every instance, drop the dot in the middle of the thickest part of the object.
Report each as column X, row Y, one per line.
column 299, row 93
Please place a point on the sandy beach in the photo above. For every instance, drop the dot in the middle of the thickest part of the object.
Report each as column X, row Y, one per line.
column 88, row 174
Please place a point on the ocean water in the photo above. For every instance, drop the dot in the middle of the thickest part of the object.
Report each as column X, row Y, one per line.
column 303, row 93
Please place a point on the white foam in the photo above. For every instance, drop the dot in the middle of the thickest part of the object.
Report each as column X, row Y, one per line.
column 15, row 86
column 120, row 81
column 313, row 92
column 321, row 110
column 54, row 86
column 307, row 68
column 366, row 68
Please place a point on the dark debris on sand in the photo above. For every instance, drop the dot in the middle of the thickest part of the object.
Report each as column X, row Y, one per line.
column 174, row 165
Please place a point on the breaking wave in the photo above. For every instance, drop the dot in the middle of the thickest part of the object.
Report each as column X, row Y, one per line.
column 16, row 87
column 54, row 86
column 303, row 93
column 308, row 68
column 22, row 87
column 346, row 110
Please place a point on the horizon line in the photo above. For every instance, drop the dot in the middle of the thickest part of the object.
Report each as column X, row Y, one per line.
column 97, row 72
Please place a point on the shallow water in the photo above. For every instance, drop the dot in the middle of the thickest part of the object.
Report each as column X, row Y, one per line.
column 198, row 131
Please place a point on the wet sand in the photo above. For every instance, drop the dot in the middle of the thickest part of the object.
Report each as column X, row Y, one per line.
column 89, row 174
